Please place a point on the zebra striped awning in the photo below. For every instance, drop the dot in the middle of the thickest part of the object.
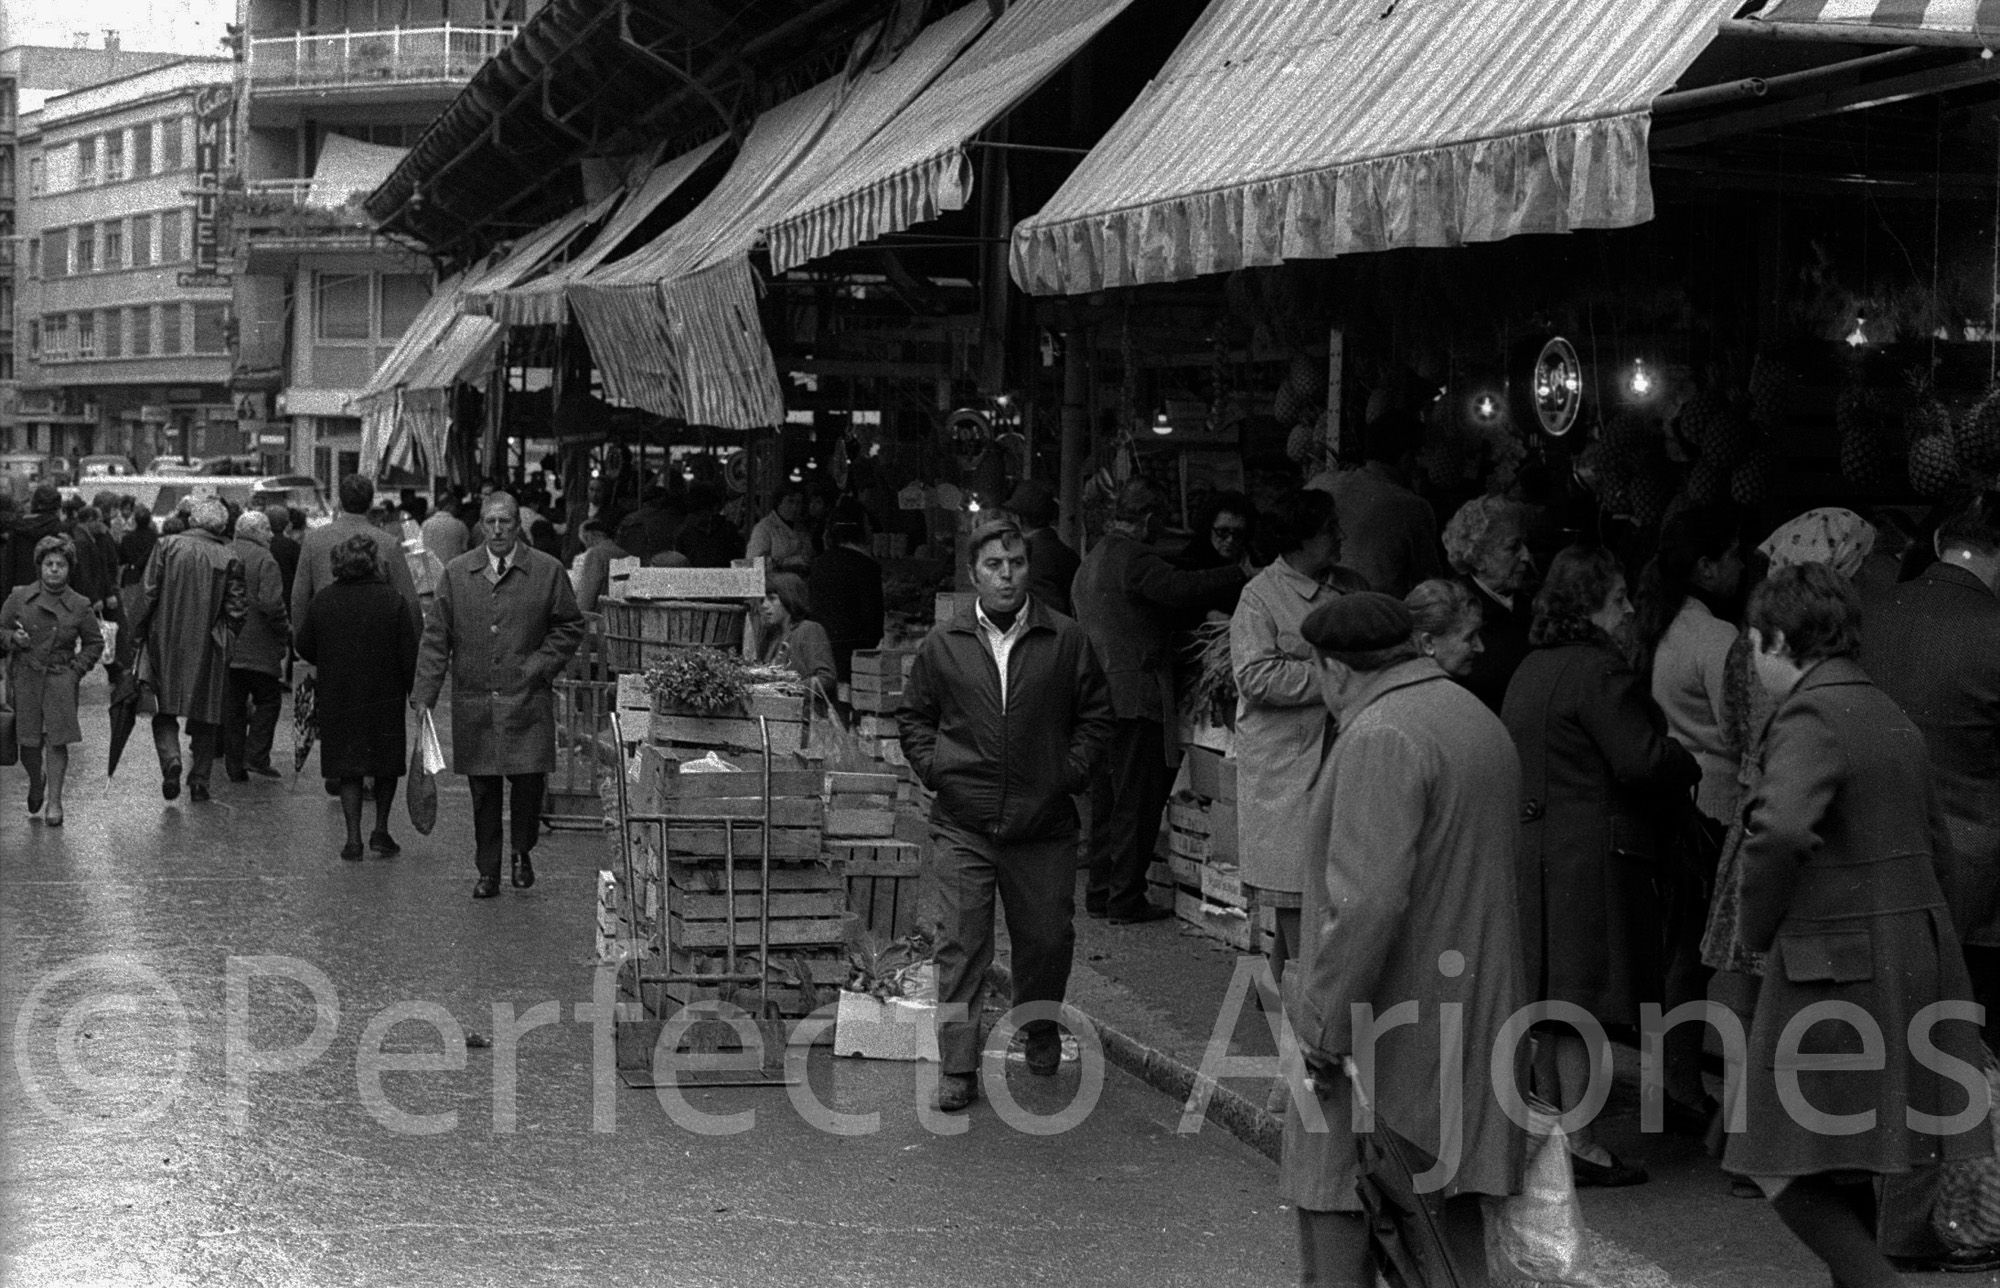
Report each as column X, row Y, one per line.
column 1970, row 18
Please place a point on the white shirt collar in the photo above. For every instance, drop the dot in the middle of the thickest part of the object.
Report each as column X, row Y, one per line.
column 992, row 627
column 498, row 564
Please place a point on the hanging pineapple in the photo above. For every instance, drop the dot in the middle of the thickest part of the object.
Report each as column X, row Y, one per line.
column 1750, row 482
column 1934, row 465
column 1975, row 440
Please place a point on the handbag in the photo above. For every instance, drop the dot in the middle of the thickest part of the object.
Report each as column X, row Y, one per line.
column 1967, row 1211
column 426, row 763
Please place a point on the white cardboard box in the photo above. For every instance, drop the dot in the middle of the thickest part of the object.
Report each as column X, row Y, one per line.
column 897, row 1028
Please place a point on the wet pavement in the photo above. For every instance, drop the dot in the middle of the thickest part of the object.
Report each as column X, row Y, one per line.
column 236, row 1059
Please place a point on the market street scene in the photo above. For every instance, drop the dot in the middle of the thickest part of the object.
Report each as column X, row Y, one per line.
column 913, row 642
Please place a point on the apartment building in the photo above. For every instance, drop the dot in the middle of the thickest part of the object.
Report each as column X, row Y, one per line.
column 29, row 76
column 331, row 95
column 129, row 321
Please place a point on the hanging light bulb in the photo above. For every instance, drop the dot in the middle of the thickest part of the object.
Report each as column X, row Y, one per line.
column 1642, row 379
column 1859, row 335
column 1486, row 407
column 1161, row 425
column 973, row 505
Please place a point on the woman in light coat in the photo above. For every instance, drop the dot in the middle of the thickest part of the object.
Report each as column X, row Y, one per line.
column 1284, row 712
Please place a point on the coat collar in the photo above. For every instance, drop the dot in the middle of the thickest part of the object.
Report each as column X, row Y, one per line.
column 965, row 618
column 1284, row 574
column 70, row 598
column 1944, row 573
column 1369, row 688
column 203, row 534
column 1831, row 671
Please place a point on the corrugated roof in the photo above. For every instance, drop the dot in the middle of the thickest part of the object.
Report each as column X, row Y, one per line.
column 1286, row 129
column 915, row 168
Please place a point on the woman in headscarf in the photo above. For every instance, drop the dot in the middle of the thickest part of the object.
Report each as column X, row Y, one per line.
column 53, row 638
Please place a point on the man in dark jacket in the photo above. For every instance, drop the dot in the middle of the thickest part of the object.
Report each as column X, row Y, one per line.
column 195, row 603
column 1004, row 716
column 254, row 696
column 1052, row 564
column 43, row 519
column 1128, row 598
column 284, row 546
column 315, row 572
column 846, row 588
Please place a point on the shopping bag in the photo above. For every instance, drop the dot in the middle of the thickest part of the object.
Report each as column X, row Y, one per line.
column 426, row 763
column 1535, row 1239
column 1967, row 1211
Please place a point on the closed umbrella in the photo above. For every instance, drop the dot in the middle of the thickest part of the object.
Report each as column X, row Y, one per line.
column 126, row 696
column 1407, row 1227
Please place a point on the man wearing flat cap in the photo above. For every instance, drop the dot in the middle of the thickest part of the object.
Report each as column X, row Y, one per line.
column 1416, row 814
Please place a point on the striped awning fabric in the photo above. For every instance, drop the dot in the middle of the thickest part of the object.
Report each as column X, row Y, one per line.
column 674, row 325
column 1980, row 17
column 916, row 169
column 1303, row 129
column 540, row 300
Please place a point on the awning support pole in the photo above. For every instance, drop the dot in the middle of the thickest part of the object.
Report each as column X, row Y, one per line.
column 1764, row 86
column 1833, row 33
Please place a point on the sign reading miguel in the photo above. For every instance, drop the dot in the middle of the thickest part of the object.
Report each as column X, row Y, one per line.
column 212, row 107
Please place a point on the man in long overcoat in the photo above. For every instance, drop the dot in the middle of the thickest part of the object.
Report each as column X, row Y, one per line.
column 257, row 658
column 1127, row 597
column 315, row 571
column 505, row 625
column 1413, row 903
column 195, row 603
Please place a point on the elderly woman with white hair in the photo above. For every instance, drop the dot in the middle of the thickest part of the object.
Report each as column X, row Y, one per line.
column 257, row 657
column 1486, row 544
column 195, row 603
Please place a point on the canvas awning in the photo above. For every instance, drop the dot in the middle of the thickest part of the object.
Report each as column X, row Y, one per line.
column 540, row 300
column 673, row 326
column 1302, row 129
column 916, row 168
column 349, row 169
column 1972, row 23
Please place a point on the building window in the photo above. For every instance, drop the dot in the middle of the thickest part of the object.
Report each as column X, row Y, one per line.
column 34, row 337
column 172, row 143
column 142, row 150
column 86, row 162
column 34, row 257
column 171, row 251
column 6, row 168
column 111, row 333
column 142, row 240
column 114, row 156
column 112, row 237
column 172, row 339
column 38, row 176
column 85, row 236
column 403, row 297
column 211, row 328
column 86, row 335
column 142, row 331
column 343, row 306
column 55, row 337
column 55, row 252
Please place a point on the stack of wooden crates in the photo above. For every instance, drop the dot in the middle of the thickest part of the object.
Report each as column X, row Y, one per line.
column 1195, row 869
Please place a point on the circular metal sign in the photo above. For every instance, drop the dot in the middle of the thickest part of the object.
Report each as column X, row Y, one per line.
column 1556, row 387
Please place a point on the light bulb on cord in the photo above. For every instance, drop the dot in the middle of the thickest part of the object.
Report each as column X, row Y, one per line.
column 1642, row 380
column 1859, row 335
column 1486, row 408
column 973, row 505
column 1161, row 425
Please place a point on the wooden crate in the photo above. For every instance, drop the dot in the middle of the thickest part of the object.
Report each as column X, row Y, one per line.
column 885, row 898
column 1222, row 883
column 735, row 730
column 697, row 583
column 861, row 806
column 877, row 683
column 1227, row 925
column 820, row 970
column 638, row 633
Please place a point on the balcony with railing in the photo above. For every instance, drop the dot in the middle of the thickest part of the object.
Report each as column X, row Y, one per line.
column 395, row 56
column 269, row 222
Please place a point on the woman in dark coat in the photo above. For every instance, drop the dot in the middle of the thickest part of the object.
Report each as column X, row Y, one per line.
column 52, row 637
column 358, row 633
column 1840, row 890
column 1598, row 772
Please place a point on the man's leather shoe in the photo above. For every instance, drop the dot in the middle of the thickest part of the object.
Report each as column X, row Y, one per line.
column 384, row 844
column 237, row 775
column 170, row 783
column 524, row 872
column 957, row 1091
column 198, row 791
column 486, row 887
column 1044, row 1057
column 1964, row 1261
column 351, row 851
column 1141, row 915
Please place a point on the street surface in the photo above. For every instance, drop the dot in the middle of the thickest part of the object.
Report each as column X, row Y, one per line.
column 205, row 1008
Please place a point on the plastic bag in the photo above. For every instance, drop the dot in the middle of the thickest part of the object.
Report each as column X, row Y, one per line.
column 1967, row 1211
column 1535, row 1239
column 426, row 763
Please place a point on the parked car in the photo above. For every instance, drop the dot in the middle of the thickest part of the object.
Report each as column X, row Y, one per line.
column 160, row 493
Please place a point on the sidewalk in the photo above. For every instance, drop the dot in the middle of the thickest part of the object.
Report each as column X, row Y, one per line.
column 1154, row 993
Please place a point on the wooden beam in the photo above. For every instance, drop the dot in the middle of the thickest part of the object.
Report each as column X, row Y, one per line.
column 1858, row 98
column 1835, row 33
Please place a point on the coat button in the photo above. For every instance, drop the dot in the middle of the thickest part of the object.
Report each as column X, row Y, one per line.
column 1531, row 810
